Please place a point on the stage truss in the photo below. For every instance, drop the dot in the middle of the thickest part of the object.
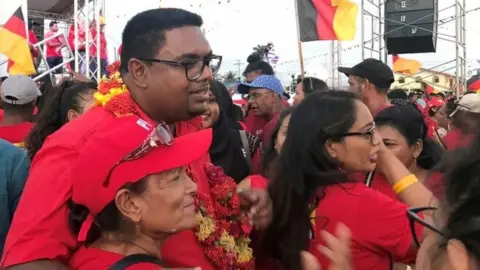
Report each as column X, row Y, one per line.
column 373, row 44
column 80, row 13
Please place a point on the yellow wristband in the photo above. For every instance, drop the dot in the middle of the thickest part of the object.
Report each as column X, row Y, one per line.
column 404, row 183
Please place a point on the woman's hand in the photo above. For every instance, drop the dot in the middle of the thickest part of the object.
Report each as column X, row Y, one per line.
column 259, row 206
column 337, row 250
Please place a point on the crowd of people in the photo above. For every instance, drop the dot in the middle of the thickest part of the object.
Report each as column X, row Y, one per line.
column 156, row 167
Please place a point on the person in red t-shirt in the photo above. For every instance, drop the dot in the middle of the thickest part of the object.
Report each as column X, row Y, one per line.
column 371, row 80
column 19, row 95
column 264, row 100
column 256, row 67
column 103, row 48
column 32, row 40
column 465, row 122
column 39, row 237
column 135, row 197
column 403, row 130
column 312, row 188
column 54, row 47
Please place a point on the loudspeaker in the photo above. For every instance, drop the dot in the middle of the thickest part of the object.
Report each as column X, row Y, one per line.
column 411, row 26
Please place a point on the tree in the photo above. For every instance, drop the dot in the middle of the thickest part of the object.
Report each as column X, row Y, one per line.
column 230, row 76
column 260, row 49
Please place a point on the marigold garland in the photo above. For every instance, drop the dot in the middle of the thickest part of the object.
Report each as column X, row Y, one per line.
column 222, row 228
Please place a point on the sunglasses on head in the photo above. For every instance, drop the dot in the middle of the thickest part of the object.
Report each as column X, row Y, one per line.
column 160, row 135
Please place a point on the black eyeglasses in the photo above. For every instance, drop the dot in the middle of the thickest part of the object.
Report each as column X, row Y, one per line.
column 368, row 134
column 193, row 67
column 161, row 135
column 413, row 216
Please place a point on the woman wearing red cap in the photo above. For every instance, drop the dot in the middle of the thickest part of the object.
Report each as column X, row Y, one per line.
column 138, row 193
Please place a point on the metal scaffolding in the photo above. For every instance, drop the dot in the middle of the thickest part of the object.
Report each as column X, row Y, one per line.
column 373, row 43
column 81, row 13
column 336, row 61
column 86, row 15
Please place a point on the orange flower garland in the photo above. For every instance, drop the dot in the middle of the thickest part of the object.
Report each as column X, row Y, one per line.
column 222, row 230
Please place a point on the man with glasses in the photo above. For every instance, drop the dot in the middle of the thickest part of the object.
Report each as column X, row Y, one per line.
column 167, row 65
column 265, row 100
column 371, row 80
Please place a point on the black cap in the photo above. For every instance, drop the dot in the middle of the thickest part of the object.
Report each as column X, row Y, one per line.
column 374, row 70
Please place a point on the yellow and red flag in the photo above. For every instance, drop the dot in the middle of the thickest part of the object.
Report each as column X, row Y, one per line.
column 406, row 66
column 327, row 19
column 473, row 84
column 14, row 45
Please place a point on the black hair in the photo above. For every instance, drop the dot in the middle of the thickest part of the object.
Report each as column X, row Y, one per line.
column 451, row 105
column 304, row 168
column 144, row 34
column 55, row 112
column 461, row 197
column 255, row 63
column 397, row 94
column 108, row 220
column 52, row 23
column 47, row 89
column 270, row 153
column 409, row 122
column 311, row 84
column 3, row 78
column 18, row 109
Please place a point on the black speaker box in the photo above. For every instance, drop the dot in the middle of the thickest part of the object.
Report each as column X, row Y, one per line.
column 411, row 26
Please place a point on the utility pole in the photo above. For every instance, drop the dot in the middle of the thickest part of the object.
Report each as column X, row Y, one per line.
column 239, row 65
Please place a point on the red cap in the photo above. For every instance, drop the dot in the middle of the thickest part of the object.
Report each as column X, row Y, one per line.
column 112, row 143
column 435, row 103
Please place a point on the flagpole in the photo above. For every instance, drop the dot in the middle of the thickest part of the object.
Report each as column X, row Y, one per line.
column 300, row 51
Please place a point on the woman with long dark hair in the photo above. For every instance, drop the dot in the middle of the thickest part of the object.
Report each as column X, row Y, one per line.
column 455, row 241
column 330, row 136
column 276, row 141
column 70, row 100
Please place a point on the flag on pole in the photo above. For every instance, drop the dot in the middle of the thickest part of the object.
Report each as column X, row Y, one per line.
column 406, row 66
column 326, row 19
column 14, row 45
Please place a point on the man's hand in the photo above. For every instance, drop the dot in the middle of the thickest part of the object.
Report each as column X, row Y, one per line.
column 337, row 250
column 258, row 204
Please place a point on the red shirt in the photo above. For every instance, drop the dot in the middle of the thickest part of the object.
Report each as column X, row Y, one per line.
column 379, row 225
column 1, row 115
column 98, row 259
column 15, row 133
column 103, row 45
column 383, row 107
column 255, row 124
column 455, row 139
column 32, row 38
column 81, row 38
column 53, row 45
column 40, row 229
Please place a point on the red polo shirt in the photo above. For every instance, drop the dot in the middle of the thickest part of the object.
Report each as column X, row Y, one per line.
column 97, row 259
column 383, row 107
column 40, row 229
column 15, row 133
column 379, row 225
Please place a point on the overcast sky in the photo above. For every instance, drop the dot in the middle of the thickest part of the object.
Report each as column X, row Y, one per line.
column 233, row 27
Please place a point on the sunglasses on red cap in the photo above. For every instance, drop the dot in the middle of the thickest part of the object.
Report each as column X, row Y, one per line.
column 160, row 135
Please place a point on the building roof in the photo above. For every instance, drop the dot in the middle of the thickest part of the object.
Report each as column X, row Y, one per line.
column 437, row 72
